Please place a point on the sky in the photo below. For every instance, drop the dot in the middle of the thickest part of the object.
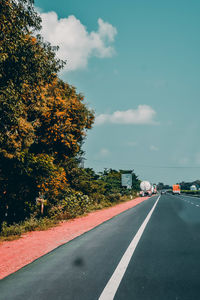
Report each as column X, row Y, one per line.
column 137, row 63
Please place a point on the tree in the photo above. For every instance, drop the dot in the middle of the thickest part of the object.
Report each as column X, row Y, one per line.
column 43, row 121
column 112, row 178
column 87, row 181
column 63, row 121
column 160, row 186
column 26, row 64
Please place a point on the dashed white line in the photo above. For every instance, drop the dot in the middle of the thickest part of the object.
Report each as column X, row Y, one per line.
column 192, row 197
column 197, row 205
column 114, row 282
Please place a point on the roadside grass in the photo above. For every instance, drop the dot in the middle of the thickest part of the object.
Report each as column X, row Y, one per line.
column 14, row 231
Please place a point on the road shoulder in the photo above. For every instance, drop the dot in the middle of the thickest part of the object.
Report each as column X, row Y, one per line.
column 16, row 254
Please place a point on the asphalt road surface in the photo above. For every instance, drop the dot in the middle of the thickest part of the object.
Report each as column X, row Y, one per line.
column 151, row 251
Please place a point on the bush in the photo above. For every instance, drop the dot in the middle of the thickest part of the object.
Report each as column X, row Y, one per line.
column 72, row 205
column 97, row 197
column 114, row 197
column 14, row 229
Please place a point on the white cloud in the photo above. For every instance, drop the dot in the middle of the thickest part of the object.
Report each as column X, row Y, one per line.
column 154, row 148
column 76, row 44
column 144, row 114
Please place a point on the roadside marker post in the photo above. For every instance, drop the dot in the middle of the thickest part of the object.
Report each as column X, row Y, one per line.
column 41, row 201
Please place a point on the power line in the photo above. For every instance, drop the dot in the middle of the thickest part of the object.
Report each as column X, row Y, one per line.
column 145, row 166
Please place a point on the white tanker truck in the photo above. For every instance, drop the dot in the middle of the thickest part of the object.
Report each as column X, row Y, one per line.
column 147, row 189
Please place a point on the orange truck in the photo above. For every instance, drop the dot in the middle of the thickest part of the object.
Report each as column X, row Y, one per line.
column 176, row 189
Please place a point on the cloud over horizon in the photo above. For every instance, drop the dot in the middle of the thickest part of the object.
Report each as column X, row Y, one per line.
column 142, row 115
column 76, row 44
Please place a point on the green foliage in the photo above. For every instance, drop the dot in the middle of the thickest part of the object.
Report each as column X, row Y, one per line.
column 26, row 64
column 63, row 119
column 72, row 205
column 31, row 224
column 114, row 198
column 14, row 229
column 43, row 121
column 112, row 180
column 162, row 186
column 21, row 181
column 43, row 124
column 187, row 185
column 85, row 180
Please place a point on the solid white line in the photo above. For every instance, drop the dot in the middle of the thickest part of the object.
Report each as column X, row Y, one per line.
column 114, row 282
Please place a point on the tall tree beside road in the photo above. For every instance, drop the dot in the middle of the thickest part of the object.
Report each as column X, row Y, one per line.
column 43, row 121
column 63, row 121
column 26, row 64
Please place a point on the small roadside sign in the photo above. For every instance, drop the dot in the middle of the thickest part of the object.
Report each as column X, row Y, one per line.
column 126, row 180
column 42, row 201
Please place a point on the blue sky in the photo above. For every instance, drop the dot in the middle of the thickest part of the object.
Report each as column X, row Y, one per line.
column 137, row 63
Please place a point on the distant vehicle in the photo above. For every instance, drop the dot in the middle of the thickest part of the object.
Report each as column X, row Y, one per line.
column 154, row 189
column 176, row 189
column 146, row 188
column 193, row 188
column 163, row 192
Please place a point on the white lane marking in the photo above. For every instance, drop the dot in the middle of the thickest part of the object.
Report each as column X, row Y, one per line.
column 189, row 201
column 191, row 197
column 114, row 282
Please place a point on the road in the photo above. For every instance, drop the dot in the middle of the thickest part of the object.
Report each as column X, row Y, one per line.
column 164, row 258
